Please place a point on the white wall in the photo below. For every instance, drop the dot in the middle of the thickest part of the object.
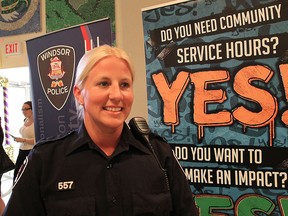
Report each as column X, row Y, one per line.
column 129, row 36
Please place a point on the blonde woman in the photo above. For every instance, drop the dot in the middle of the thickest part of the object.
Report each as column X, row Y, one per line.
column 102, row 168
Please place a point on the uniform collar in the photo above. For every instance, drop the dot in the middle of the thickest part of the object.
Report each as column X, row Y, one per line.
column 127, row 140
column 81, row 139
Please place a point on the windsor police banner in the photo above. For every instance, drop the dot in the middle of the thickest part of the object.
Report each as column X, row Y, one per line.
column 217, row 87
column 53, row 59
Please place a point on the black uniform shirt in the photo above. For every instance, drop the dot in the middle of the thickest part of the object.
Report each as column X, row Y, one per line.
column 72, row 176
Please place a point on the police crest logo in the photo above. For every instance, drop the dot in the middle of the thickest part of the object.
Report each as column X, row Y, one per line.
column 56, row 73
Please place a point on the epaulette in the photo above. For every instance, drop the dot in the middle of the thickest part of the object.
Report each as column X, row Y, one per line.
column 47, row 140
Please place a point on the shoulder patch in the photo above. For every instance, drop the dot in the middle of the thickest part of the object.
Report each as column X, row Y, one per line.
column 21, row 171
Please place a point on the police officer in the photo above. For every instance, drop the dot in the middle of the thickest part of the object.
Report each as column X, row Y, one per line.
column 102, row 168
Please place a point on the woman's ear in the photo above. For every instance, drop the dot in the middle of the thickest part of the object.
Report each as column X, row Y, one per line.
column 78, row 95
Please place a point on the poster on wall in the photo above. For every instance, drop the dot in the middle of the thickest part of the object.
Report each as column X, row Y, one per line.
column 217, row 89
column 19, row 17
column 53, row 59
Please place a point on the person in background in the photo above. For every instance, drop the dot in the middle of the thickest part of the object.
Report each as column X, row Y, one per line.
column 102, row 168
column 27, row 139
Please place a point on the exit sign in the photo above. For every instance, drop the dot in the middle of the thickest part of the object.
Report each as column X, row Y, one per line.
column 13, row 48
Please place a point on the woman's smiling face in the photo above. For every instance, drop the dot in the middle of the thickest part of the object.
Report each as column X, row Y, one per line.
column 107, row 96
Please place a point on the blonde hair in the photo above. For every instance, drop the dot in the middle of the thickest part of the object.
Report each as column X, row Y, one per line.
column 88, row 61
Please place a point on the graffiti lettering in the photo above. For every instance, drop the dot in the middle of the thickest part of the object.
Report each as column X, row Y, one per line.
column 171, row 94
column 246, row 205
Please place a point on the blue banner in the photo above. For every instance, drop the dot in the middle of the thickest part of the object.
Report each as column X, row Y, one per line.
column 53, row 59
